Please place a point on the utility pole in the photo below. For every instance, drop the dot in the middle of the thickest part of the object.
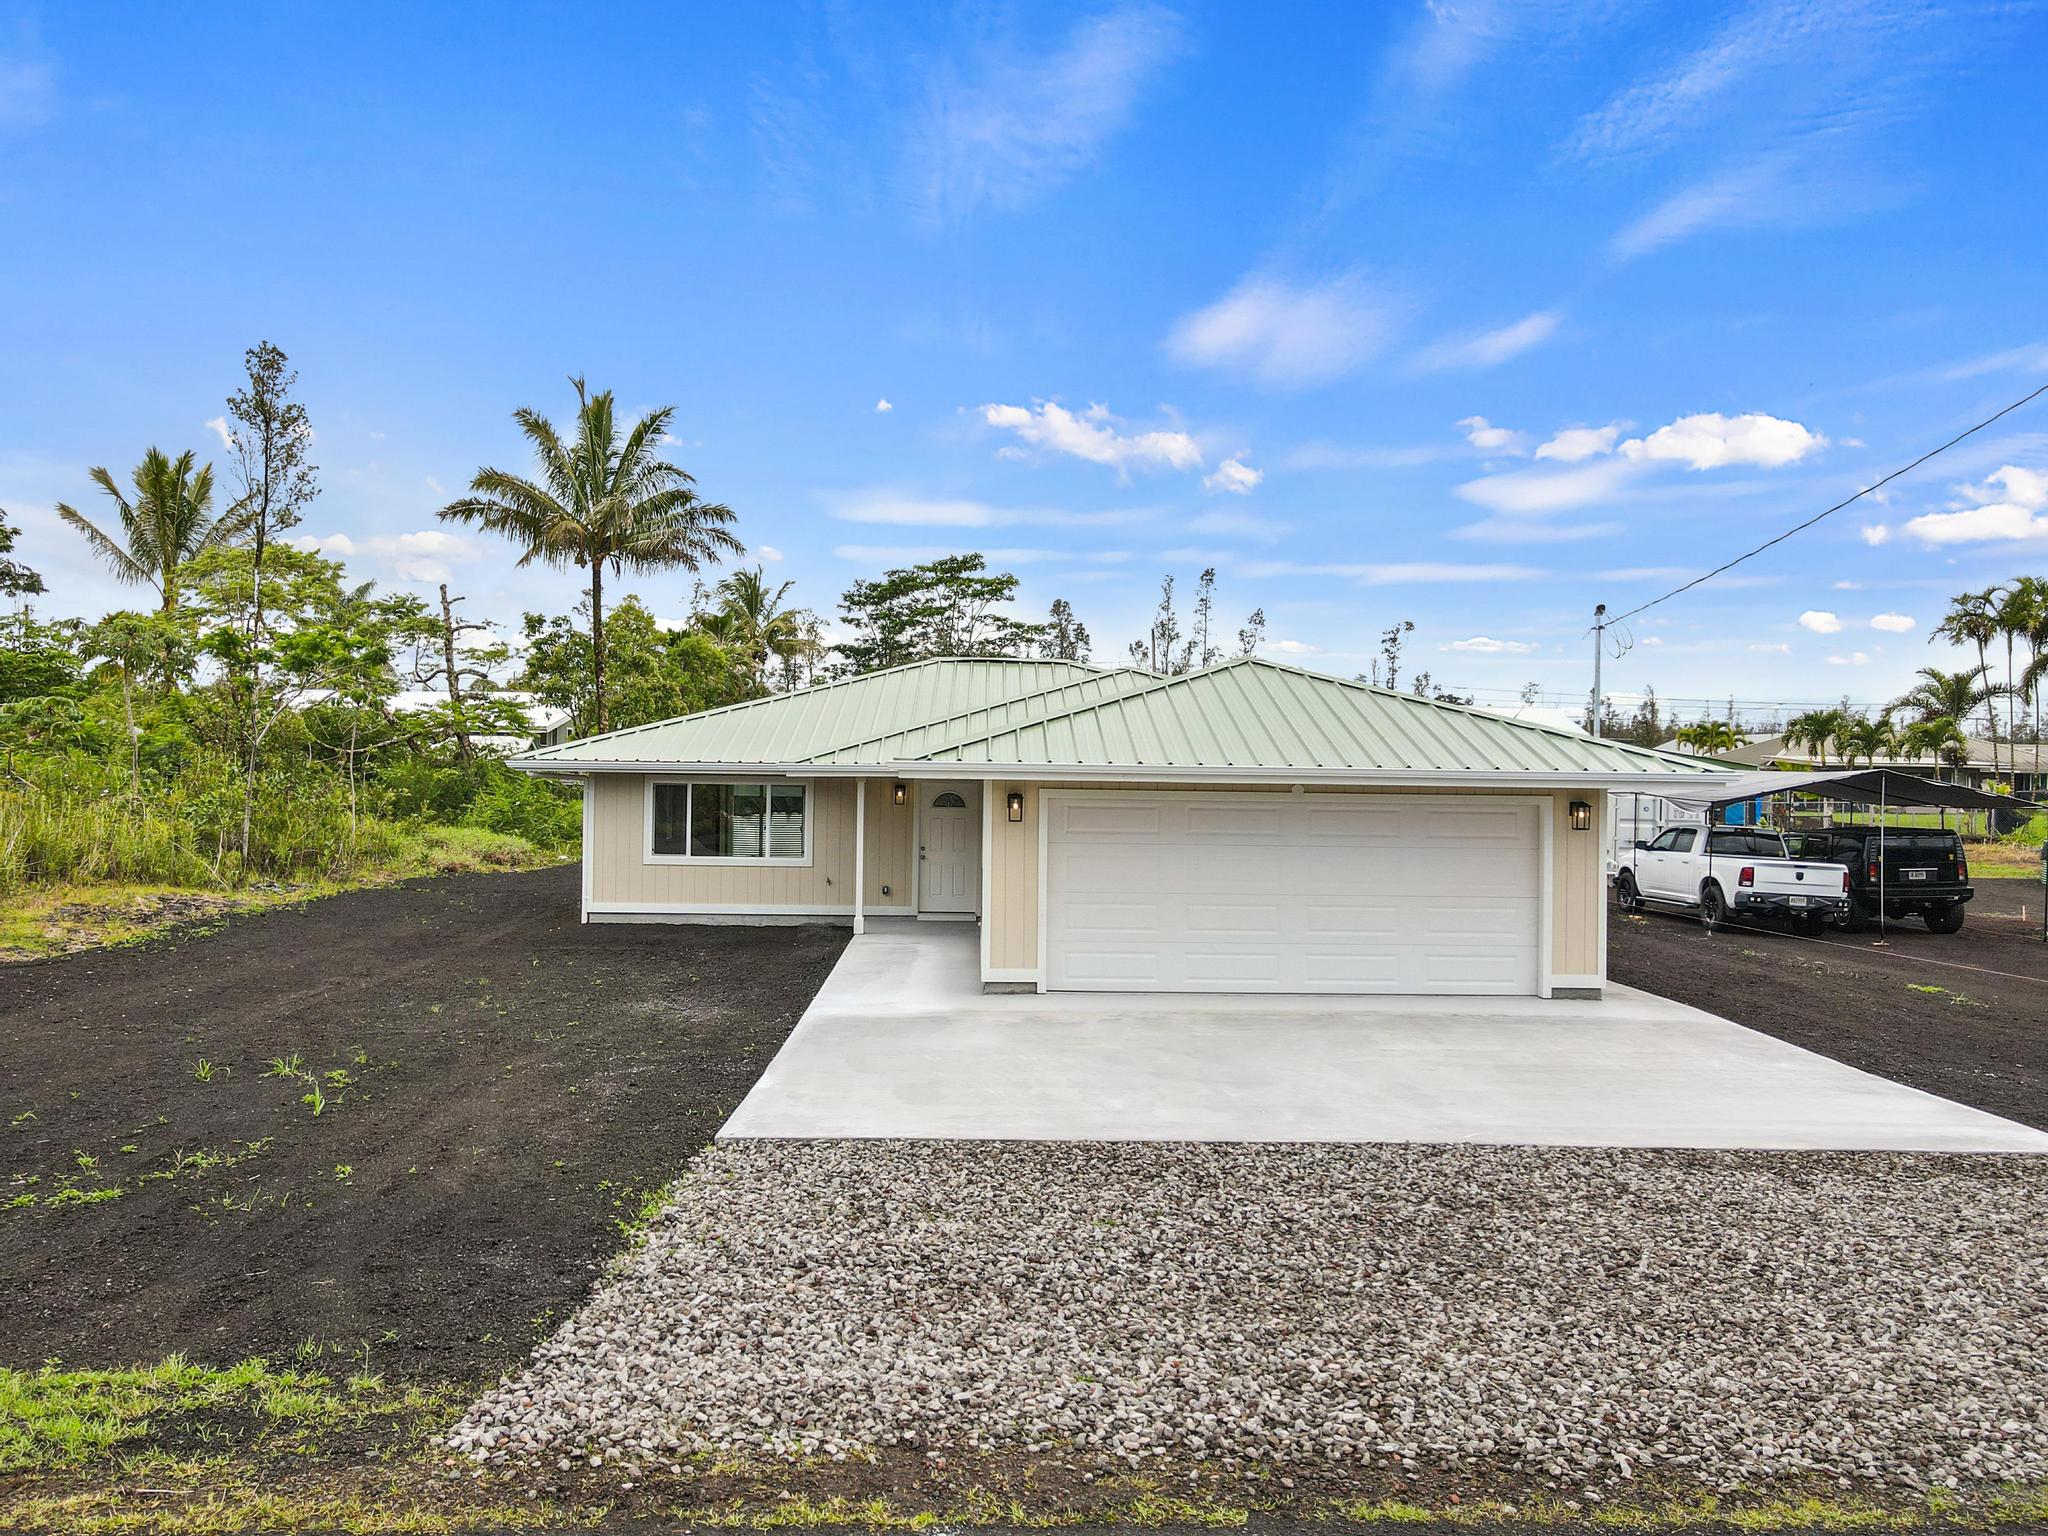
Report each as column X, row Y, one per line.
column 1599, row 644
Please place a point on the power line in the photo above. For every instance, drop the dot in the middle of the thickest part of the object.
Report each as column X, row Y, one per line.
column 1831, row 511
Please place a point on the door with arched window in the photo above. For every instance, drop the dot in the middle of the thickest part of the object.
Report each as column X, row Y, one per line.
column 948, row 849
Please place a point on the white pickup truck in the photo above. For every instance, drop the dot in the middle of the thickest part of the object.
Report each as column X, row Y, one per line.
column 1724, row 872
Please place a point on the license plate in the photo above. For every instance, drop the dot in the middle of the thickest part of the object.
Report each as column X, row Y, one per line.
column 1798, row 901
column 1918, row 874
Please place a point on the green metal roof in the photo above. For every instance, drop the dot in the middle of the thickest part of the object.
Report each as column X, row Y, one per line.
column 795, row 727
column 1249, row 714
column 1257, row 714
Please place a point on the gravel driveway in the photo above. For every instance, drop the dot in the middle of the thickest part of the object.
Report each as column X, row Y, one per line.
column 1572, row 1315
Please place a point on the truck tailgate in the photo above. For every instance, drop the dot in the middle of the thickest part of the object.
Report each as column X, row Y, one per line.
column 1789, row 877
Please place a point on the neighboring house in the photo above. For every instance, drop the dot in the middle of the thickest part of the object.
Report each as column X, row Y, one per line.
column 1249, row 827
column 547, row 725
column 1985, row 762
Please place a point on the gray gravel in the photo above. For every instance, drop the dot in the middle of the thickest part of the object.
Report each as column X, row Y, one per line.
column 1576, row 1315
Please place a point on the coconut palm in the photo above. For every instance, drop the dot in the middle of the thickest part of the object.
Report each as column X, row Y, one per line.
column 603, row 500
column 2015, row 613
column 1940, row 737
column 1939, row 694
column 753, row 620
column 170, row 521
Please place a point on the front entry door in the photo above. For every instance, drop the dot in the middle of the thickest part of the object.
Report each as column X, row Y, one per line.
column 949, row 848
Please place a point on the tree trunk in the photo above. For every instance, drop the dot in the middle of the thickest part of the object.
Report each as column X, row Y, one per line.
column 597, row 645
column 454, row 677
column 255, row 660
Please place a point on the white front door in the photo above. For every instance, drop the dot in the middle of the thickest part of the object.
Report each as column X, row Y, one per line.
column 1194, row 892
column 948, row 847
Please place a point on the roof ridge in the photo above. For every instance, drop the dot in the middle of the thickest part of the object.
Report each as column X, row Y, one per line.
column 1022, row 698
column 808, row 688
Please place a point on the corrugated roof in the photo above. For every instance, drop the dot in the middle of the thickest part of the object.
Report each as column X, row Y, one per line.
column 795, row 727
column 1249, row 713
column 1253, row 713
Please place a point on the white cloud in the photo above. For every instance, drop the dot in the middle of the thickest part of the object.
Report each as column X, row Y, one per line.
column 2010, row 504
column 1532, row 492
column 1244, row 524
column 1486, row 645
column 422, row 556
column 1892, row 623
column 1290, row 647
column 1400, row 573
column 1235, row 476
column 1322, row 455
column 1488, row 349
column 883, row 407
column 1575, row 444
column 435, row 486
column 1820, row 621
column 1093, row 436
column 915, row 554
column 1487, row 438
column 1522, row 530
column 1848, row 586
column 1769, row 648
column 1875, row 534
column 1286, row 335
column 767, row 552
column 1711, row 440
column 1022, row 126
column 2032, row 358
column 1853, row 659
column 219, row 428
column 886, row 506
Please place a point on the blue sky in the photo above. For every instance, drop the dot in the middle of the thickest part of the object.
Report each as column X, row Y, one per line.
column 1469, row 314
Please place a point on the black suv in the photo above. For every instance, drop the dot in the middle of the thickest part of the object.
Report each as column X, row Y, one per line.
column 1925, row 873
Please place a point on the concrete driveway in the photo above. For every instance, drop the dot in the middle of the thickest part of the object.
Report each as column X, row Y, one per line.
column 902, row 1043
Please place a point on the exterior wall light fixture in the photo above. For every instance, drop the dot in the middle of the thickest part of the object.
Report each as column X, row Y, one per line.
column 1016, row 805
column 902, row 794
column 1582, row 816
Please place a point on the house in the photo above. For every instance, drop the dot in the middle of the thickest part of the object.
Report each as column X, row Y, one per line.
column 1250, row 827
column 1984, row 761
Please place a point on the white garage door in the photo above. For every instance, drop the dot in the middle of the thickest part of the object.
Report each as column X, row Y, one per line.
column 1171, row 892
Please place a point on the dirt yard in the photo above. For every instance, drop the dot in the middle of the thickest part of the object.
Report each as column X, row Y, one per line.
column 396, row 1126
column 1963, row 1015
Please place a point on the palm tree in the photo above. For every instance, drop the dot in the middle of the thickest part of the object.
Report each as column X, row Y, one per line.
column 1818, row 729
column 1711, row 738
column 753, row 621
column 1868, row 739
column 1971, row 620
column 2015, row 612
column 1940, row 737
column 169, row 522
column 1939, row 694
column 602, row 500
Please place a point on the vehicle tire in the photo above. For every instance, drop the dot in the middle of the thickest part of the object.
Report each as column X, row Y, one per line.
column 1810, row 925
column 1857, row 918
column 1945, row 919
column 1713, row 907
column 1626, row 896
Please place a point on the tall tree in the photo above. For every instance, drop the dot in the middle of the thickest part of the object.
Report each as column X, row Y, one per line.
column 271, row 437
column 1066, row 637
column 1818, row 729
column 1972, row 620
column 169, row 522
column 1868, row 739
column 605, row 499
column 16, row 579
column 1938, row 736
column 952, row 606
column 1711, row 738
column 2015, row 611
column 1939, row 694
column 760, row 624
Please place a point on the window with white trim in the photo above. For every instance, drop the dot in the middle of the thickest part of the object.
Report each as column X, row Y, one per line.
column 728, row 823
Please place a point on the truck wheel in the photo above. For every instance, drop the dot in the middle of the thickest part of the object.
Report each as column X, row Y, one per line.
column 1945, row 919
column 1857, row 918
column 1713, row 908
column 1626, row 896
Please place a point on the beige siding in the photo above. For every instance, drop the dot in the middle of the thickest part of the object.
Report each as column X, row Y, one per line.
column 1012, row 881
column 1578, row 892
column 622, row 879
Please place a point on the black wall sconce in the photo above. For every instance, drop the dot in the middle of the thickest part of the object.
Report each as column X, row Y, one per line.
column 1582, row 816
column 902, row 794
column 1016, row 804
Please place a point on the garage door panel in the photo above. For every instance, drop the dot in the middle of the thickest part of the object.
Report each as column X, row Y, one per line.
column 1288, row 893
